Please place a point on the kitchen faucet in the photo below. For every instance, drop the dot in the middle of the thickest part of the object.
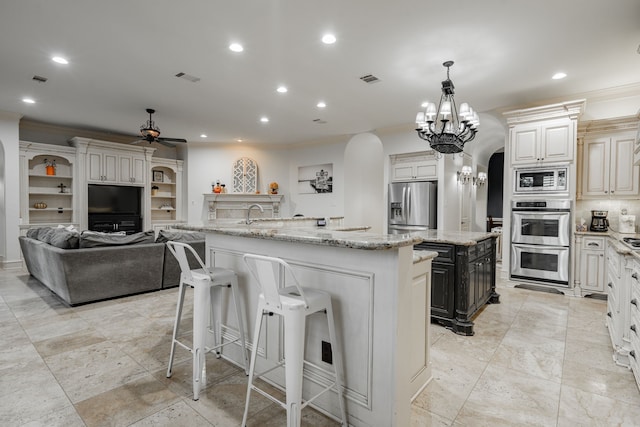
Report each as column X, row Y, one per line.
column 255, row 205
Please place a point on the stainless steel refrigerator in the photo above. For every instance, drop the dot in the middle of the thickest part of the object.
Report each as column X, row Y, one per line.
column 412, row 206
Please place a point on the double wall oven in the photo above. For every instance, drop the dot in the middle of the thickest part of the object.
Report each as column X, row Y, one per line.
column 540, row 240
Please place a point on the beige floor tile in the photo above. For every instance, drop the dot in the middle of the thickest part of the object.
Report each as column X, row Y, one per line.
column 579, row 408
column 505, row 397
column 63, row 417
column 178, row 414
column 613, row 383
column 94, row 369
column 68, row 342
column 126, row 404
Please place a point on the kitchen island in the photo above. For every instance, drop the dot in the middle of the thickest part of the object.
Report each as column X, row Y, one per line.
column 380, row 289
column 463, row 276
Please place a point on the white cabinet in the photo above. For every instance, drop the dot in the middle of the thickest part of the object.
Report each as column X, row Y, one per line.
column 111, row 167
column 590, row 274
column 102, row 166
column 46, row 198
column 619, row 277
column 421, row 166
column 132, row 169
column 540, row 143
column 608, row 168
column 634, row 321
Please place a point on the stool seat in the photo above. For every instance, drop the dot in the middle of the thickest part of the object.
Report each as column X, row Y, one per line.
column 293, row 303
column 206, row 317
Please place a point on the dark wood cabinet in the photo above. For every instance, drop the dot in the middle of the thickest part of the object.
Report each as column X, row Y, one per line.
column 463, row 279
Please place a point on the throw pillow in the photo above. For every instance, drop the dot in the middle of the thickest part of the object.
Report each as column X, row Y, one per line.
column 179, row 236
column 95, row 240
column 64, row 239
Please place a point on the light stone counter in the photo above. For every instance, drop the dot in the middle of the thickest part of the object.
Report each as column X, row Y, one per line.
column 381, row 294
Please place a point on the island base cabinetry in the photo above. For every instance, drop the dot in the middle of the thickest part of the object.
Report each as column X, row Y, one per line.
column 463, row 279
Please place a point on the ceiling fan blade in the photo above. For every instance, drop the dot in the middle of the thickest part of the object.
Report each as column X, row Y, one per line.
column 171, row 140
column 166, row 144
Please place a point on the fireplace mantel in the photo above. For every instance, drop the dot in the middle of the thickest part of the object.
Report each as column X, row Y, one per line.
column 234, row 205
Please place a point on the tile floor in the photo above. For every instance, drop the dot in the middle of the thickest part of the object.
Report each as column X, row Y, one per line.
column 536, row 359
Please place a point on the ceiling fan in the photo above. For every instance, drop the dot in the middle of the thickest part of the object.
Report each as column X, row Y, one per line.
column 151, row 133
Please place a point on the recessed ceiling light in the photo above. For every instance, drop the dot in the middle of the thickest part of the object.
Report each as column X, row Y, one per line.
column 236, row 47
column 264, row 119
column 558, row 76
column 328, row 39
column 282, row 89
column 60, row 60
column 28, row 101
column 239, row 140
column 321, row 104
column 203, row 135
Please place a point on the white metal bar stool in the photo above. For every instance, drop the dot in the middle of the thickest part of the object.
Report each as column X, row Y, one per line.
column 294, row 303
column 206, row 319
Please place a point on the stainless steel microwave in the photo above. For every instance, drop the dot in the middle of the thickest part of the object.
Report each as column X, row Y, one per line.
column 541, row 180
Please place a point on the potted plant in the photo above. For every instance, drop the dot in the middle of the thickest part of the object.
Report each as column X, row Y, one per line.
column 50, row 166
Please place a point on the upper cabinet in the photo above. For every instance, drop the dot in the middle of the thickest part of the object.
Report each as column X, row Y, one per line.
column 542, row 135
column 421, row 166
column 111, row 167
column 607, row 168
column 46, row 184
column 548, row 142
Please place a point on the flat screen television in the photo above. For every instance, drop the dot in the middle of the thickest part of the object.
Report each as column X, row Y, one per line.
column 114, row 199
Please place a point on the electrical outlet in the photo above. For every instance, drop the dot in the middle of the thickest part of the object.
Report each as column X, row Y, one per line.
column 327, row 355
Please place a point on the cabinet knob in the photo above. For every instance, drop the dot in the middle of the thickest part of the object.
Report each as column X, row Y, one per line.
column 612, row 191
column 609, row 314
column 635, row 276
column 634, row 302
column 605, row 191
column 633, row 328
column 632, row 354
column 610, row 285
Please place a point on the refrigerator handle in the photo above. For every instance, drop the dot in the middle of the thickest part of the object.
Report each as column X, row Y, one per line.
column 404, row 204
column 408, row 206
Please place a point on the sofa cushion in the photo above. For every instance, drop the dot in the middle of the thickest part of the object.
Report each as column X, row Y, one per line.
column 96, row 240
column 64, row 239
column 179, row 236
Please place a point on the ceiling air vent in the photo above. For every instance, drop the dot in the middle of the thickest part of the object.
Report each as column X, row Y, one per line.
column 189, row 77
column 319, row 121
column 369, row 78
column 39, row 79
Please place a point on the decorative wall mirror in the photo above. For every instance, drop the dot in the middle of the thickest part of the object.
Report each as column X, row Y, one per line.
column 245, row 175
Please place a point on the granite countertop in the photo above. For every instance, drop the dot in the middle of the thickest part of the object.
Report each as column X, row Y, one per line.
column 463, row 238
column 337, row 236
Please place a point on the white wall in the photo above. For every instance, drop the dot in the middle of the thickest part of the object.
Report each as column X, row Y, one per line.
column 9, row 189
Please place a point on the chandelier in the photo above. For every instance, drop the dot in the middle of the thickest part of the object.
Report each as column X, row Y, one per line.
column 445, row 128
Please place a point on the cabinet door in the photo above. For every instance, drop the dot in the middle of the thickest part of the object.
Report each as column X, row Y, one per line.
column 524, row 144
column 402, row 172
column 426, row 170
column 442, row 290
column 624, row 177
column 556, row 142
column 131, row 170
column 110, row 170
column 94, row 162
column 592, row 270
column 595, row 181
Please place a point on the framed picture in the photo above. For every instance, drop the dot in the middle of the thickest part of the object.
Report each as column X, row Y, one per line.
column 315, row 179
column 158, row 176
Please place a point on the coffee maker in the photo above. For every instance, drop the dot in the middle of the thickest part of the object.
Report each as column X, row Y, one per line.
column 599, row 221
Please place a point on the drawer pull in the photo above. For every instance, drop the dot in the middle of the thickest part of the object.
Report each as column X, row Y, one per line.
column 632, row 354
column 634, row 302
column 593, row 244
column 609, row 314
column 633, row 328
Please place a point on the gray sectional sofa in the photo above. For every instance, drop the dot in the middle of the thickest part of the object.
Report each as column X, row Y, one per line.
column 87, row 267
